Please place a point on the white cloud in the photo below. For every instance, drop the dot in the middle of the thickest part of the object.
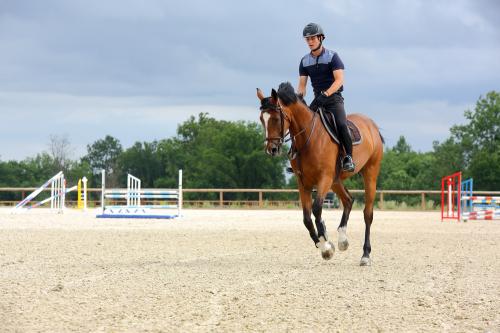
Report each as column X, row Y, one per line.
column 421, row 122
column 86, row 119
column 135, row 69
column 424, row 66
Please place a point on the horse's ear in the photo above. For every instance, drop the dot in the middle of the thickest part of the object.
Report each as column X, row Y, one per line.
column 260, row 95
column 274, row 95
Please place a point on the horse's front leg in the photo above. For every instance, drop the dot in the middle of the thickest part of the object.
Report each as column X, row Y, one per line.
column 306, row 200
column 347, row 202
column 327, row 248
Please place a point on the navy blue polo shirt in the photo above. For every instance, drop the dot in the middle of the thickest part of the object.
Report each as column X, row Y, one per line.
column 320, row 69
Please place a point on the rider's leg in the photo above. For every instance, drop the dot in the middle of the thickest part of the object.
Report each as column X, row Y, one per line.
column 337, row 108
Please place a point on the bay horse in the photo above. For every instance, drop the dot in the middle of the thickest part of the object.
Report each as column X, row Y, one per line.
column 315, row 160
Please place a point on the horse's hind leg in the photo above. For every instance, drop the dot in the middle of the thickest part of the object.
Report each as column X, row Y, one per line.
column 327, row 248
column 370, row 173
column 347, row 201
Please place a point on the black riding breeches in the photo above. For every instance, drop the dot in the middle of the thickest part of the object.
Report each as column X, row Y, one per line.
column 335, row 105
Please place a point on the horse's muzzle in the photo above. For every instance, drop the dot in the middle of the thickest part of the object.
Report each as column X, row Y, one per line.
column 273, row 149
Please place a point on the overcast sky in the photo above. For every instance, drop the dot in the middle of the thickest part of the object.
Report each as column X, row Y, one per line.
column 135, row 69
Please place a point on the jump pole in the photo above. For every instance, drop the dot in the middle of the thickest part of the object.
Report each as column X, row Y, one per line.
column 133, row 194
column 36, row 192
column 179, row 198
column 58, row 193
column 56, row 196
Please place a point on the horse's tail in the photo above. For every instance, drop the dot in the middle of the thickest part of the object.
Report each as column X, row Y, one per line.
column 380, row 134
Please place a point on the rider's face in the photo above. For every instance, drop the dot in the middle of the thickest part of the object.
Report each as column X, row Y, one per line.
column 312, row 42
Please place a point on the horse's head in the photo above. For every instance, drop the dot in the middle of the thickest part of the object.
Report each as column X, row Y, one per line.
column 274, row 120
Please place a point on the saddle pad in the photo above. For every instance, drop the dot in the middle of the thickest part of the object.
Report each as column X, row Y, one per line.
column 329, row 122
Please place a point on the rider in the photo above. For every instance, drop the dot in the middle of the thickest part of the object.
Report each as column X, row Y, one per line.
column 326, row 71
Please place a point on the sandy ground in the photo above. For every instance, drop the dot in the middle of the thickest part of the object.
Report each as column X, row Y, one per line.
column 242, row 270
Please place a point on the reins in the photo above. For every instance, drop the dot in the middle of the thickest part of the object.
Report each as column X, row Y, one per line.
column 294, row 152
column 293, row 149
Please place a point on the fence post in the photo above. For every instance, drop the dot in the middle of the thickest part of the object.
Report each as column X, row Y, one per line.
column 261, row 204
column 423, row 201
column 381, row 200
column 221, row 198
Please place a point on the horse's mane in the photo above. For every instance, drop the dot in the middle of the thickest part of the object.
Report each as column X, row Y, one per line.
column 286, row 93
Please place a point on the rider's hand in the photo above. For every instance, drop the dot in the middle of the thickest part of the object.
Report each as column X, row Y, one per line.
column 319, row 101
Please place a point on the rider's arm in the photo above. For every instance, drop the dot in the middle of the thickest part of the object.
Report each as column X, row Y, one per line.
column 302, row 85
column 339, row 81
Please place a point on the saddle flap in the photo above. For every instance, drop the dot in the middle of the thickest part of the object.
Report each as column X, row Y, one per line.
column 331, row 127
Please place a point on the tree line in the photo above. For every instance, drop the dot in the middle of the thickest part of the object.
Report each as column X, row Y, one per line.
column 224, row 154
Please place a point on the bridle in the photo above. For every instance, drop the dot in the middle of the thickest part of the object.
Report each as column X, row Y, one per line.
column 281, row 139
column 283, row 116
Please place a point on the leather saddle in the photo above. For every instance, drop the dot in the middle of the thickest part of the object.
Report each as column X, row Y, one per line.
column 331, row 127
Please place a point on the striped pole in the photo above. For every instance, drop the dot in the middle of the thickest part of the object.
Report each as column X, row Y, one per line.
column 38, row 204
column 481, row 198
column 36, row 192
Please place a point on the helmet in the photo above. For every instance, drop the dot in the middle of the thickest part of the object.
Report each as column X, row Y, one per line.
column 313, row 29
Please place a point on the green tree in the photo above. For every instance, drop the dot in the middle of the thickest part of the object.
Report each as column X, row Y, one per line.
column 142, row 161
column 474, row 147
column 215, row 153
column 103, row 154
column 402, row 147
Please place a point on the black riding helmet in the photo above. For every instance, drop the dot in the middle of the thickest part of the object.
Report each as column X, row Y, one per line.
column 313, row 29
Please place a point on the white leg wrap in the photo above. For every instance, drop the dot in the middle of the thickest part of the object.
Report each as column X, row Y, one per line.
column 343, row 242
column 342, row 234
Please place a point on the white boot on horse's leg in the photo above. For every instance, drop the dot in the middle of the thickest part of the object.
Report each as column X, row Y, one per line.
column 343, row 242
column 327, row 248
column 365, row 261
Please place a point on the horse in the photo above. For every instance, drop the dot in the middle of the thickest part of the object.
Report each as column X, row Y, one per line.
column 315, row 160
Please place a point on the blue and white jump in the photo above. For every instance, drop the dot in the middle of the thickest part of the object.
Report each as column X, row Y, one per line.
column 133, row 195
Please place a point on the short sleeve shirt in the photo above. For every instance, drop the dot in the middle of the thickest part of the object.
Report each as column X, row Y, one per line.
column 320, row 69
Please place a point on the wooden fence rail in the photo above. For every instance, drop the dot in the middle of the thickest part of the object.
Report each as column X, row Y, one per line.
column 260, row 203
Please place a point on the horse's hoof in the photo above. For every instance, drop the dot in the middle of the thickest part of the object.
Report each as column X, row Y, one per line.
column 365, row 261
column 327, row 250
column 343, row 245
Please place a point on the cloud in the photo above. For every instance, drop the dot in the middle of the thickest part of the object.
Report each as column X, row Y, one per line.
column 87, row 119
column 114, row 64
column 421, row 122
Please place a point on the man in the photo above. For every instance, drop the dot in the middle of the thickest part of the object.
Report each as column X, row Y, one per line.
column 326, row 71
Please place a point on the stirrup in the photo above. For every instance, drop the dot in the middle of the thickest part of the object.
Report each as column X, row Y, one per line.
column 348, row 164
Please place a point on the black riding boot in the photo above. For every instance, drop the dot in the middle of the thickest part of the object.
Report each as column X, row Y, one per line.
column 347, row 163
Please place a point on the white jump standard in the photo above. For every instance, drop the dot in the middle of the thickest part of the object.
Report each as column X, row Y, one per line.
column 134, row 207
column 57, row 197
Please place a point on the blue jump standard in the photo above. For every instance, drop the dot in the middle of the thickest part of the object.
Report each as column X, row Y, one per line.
column 133, row 216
